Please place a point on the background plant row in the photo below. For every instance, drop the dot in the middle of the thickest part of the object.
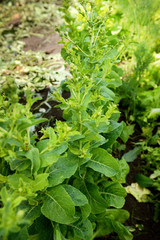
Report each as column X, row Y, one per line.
column 64, row 183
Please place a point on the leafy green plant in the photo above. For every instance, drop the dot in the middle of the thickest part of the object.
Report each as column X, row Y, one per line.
column 139, row 93
column 68, row 185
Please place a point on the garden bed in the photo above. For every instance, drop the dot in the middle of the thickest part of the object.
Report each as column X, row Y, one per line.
column 34, row 62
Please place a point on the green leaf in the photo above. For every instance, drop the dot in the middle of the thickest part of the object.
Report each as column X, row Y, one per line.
column 121, row 230
column 64, row 168
column 107, row 93
column 155, row 112
column 14, row 180
column 23, row 234
column 119, row 215
column 108, row 225
column 96, row 201
column 33, row 155
column 85, row 210
column 20, row 165
column 40, row 182
column 103, row 162
column 127, row 131
column 116, row 29
column 3, row 179
column 114, row 79
column 42, row 229
column 98, row 143
column 50, row 157
column 26, row 123
column 31, row 212
column 43, row 144
column 103, row 127
column 155, row 174
column 83, row 230
column 114, row 194
column 132, row 154
column 91, row 125
column 57, row 234
column 58, row 206
column 15, row 142
column 144, row 181
column 116, row 129
column 124, row 170
column 78, row 198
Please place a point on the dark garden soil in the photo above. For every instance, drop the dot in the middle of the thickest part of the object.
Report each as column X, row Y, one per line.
column 141, row 214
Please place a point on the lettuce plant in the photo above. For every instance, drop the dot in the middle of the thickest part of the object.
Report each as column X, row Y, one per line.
column 68, row 185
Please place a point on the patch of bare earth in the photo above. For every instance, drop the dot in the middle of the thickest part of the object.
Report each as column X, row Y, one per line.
column 45, row 43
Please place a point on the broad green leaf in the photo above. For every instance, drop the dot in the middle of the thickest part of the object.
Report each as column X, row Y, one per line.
column 78, row 198
column 15, row 180
column 85, row 210
column 144, row 181
column 50, row 157
column 47, row 159
column 31, row 212
column 108, row 225
column 103, row 162
column 107, row 93
column 40, row 182
column 58, row 206
column 33, row 155
column 97, row 203
column 116, row 29
column 114, row 194
column 16, row 202
column 76, row 137
column 115, row 226
column 20, row 165
column 121, row 230
column 64, row 168
column 119, row 215
column 114, row 79
column 124, row 170
column 21, row 183
column 91, row 125
column 25, row 123
column 42, row 144
column 98, row 143
column 125, row 133
column 116, row 129
column 155, row 174
column 15, row 142
column 52, row 135
column 103, row 127
column 23, row 234
column 132, row 154
column 42, row 229
column 155, row 112
column 83, row 230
